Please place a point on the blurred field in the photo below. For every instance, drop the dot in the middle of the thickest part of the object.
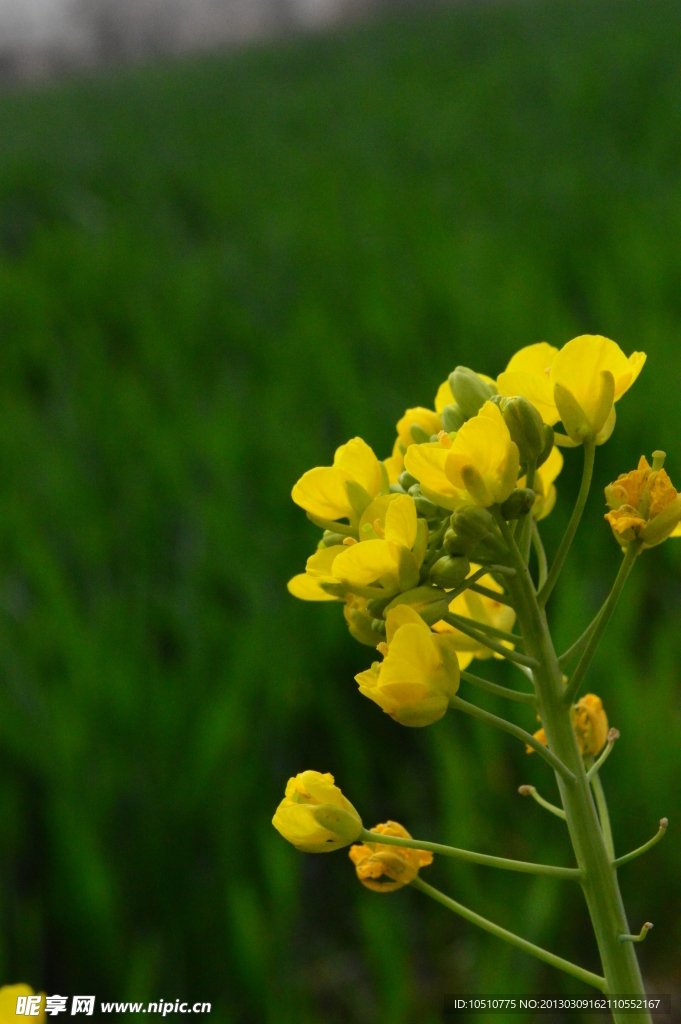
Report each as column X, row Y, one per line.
column 211, row 274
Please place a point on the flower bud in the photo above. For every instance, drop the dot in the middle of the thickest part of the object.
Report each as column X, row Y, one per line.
column 385, row 868
column 452, row 418
column 406, row 480
column 469, row 390
column 473, row 524
column 452, row 544
column 424, row 507
column 549, row 435
column 315, row 816
column 430, row 603
column 518, row 503
column 526, row 428
column 450, row 571
column 418, row 434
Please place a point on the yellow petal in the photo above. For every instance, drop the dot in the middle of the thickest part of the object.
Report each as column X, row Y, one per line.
column 308, row 588
column 400, row 521
column 364, row 563
column 322, row 492
column 420, row 417
column 551, row 468
column 412, row 657
column 357, row 459
column 426, row 464
column 579, row 364
column 321, row 562
column 484, row 444
column 527, row 374
column 400, row 615
column 444, row 396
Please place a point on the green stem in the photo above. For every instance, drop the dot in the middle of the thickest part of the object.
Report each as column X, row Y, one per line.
column 514, row 730
column 500, row 691
column 485, row 627
column 613, row 736
column 604, row 616
column 579, row 645
column 637, row 938
column 540, row 553
column 515, row 940
column 486, row 641
column 525, row 539
column 664, row 825
column 531, row 791
column 599, row 883
column 568, row 536
column 601, row 804
column 505, row 863
column 486, row 592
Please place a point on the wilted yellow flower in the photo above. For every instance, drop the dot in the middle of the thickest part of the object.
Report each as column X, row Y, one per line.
column 315, row 816
column 426, row 463
column 590, row 724
column 426, row 419
column 477, row 608
column 9, row 994
column 387, row 558
column 307, row 585
column 589, row 375
column 483, row 459
column 418, row 674
column 359, row 621
column 544, row 484
column 643, row 504
column 528, row 374
column 538, row 735
column 386, row 868
column 344, row 489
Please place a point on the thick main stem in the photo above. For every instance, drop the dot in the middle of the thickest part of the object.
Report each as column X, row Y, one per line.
column 599, row 882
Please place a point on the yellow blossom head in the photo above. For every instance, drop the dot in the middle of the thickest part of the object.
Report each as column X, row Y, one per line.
column 315, row 816
column 644, row 504
column 477, row 608
column 389, row 530
column 483, row 459
column 419, row 673
column 386, row 868
column 9, row 994
column 590, row 724
column 588, row 376
column 426, row 463
column 341, row 491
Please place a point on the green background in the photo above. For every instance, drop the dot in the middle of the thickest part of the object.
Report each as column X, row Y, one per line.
column 213, row 272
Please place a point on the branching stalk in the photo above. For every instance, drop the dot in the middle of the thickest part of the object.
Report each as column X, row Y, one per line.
column 579, row 645
column 613, row 736
column 505, row 863
column 573, row 686
column 664, row 825
column 540, row 553
column 515, row 940
column 514, row 730
column 531, row 791
column 485, row 641
column 485, row 627
column 568, row 536
column 603, row 815
column 486, row 592
column 499, row 691
column 637, row 938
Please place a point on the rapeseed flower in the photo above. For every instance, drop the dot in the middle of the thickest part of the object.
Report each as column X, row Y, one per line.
column 645, row 505
column 315, row 816
column 419, row 672
column 389, row 530
column 385, row 868
column 483, row 459
column 344, row 490
column 590, row 723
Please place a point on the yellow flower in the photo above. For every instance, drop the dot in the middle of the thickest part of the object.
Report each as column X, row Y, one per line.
column 483, row 459
column 538, row 735
column 444, row 396
column 528, row 375
column 386, row 868
column 426, row 463
column 590, row 724
column 359, row 621
column 643, row 504
column 315, row 816
column 419, row 673
column 8, row 1004
column 589, row 375
column 387, row 558
column 307, row 585
column 477, row 608
column 544, row 484
column 426, row 419
column 333, row 492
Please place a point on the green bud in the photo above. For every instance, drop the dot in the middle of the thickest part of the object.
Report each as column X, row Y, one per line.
column 525, row 427
column 360, row 626
column 425, row 508
column 452, row 418
column 406, row 480
column 469, row 390
column 338, row 820
column 450, row 571
column 548, row 445
column 376, row 606
column 378, row 626
column 452, row 543
column 330, row 539
column 431, row 603
column 418, row 434
column 472, row 525
column 518, row 503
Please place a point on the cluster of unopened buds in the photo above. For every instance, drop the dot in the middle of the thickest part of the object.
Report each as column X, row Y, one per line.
column 430, row 552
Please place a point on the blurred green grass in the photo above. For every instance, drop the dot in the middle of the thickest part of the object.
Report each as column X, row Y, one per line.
column 212, row 272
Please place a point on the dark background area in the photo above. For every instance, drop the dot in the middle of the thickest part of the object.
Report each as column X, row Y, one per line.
column 213, row 272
